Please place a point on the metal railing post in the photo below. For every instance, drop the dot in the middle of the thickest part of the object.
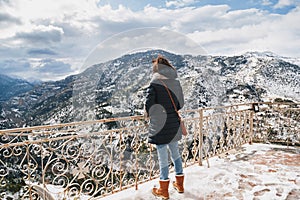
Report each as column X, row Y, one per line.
column 251, row 126
column 200, row 136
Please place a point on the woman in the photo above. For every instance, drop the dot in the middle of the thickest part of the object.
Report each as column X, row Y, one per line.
column 164, row 127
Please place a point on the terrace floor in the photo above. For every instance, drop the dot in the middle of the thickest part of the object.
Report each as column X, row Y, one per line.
column 257, row 171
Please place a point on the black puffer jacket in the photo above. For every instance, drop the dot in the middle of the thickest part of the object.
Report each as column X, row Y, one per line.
column 164, row 124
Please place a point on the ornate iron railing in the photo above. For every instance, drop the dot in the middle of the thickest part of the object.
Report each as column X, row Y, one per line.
column 277, row 123
column 88, row 160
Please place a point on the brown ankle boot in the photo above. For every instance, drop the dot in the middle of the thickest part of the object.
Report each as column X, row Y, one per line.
column 178, row 184
column 163, row 190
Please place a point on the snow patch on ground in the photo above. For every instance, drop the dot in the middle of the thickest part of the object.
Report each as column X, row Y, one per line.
column 258, row 171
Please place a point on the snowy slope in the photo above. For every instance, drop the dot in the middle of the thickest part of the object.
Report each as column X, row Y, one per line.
column 117, row 88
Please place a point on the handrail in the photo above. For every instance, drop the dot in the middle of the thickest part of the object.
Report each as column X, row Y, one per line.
column 24, row 129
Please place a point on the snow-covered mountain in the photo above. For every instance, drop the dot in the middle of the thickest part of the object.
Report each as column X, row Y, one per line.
column 10, row 87
column 117, row 88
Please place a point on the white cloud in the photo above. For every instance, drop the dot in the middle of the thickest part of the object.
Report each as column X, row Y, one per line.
column 284, row 3
column 41, row 34
column 8, row 20
column 253, row 31
column 266, row 2
column 143, row 39
column 122, row 14
column 33, row 12
column 11, row 66
column 70, row 30
column 179, row 3
column 36, row 9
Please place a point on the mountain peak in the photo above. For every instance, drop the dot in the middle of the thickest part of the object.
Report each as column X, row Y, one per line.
column 264, row 54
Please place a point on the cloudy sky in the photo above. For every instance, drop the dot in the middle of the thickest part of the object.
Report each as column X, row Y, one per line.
column 48, row 40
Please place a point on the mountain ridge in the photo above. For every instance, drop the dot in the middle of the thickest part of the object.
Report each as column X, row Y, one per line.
column 10, row 87
column 117, row 87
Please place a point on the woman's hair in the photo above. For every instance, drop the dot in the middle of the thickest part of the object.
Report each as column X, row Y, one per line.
column 160, row 60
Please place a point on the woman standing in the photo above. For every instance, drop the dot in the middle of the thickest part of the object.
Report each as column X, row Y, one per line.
column 164, row 128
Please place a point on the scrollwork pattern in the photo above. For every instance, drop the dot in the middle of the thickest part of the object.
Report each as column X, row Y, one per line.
column 98, row 158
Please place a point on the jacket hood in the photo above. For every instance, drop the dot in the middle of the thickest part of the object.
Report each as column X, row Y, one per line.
column 165, row 72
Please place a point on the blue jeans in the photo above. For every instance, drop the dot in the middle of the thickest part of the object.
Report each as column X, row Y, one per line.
column 162, row 151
